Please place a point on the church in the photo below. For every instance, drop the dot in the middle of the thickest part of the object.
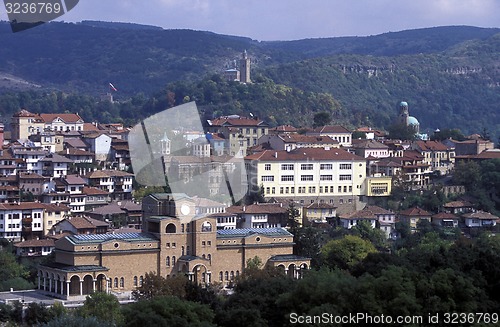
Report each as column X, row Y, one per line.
column 174, row 240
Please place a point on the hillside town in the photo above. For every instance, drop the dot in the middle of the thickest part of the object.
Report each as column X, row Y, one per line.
column 68, row 191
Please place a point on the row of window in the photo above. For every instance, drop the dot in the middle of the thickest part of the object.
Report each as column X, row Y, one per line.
column 226, row 275
column 305, row 178
column 310, row 166
column 310, row 189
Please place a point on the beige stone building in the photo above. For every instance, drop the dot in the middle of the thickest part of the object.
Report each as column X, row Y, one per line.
column 174, row 241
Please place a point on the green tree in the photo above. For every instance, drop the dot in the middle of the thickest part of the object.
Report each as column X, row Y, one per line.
column 346, row 252
column 105, row 307
column 376, row 236
column 69, row 320
column 322, row 118
column 402, row 132
column 154, row 286
column 168, row 311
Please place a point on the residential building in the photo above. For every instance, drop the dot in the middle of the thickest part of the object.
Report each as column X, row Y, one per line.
column 261, row 215
column 290, row 142
column 458, row 207
column 54, row 165
column 480, row 219
column 338, row 133
column 308, row 175
column 25, row 123
column 80, row 225
column 319, row 212
column 239, row 132
column 53, row 214
column 99, row 143
column 116, row 182
column 34, row 248
column 445, row 219
column 413, row 216
column 437, row 155
column 370, row 149
column 21, row 221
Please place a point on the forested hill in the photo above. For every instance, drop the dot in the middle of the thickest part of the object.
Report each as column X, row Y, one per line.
column 457, row 88
column 449, row 75
column 85, row 57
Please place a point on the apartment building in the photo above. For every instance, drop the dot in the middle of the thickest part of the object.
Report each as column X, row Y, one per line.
column 307, row 175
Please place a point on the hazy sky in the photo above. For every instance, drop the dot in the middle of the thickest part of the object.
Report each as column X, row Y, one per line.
column 291, row 19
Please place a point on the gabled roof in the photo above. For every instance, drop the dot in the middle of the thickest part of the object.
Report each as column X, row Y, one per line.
column 93, row 191
column 308, row 139
column 35, row 243
column 458, row 204
column 330, row 129
column 264, row 208
column 480, row 215
column 320, row 205
column 22, row 206
column 431, row 146
column 84, row 222
column 57, row 158
column 444, row 216
column 368, row 144
column 73, row 180
column 108, row 173
column 369, row 212
column 236, row 121
column 67, row 118
column 415, row 211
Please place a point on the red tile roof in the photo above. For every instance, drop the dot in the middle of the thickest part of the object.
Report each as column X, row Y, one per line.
column 415, row 211
column 236, row 121
column 67, row 118
column 330, row 129
column 444, row 215
column 305, row 154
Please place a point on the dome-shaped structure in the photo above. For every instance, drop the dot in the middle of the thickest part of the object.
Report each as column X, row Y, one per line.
column 412, row 121
column 403, row 104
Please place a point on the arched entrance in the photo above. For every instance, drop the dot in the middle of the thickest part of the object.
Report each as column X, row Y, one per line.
column 88, row 285
column 74, row 285
column 101, row 283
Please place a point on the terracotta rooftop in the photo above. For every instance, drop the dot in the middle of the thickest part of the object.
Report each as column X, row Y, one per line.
column 35, row 243
column 93, row 191
column 368, row 212
column 444, row 215
column 107, row 173
column 84, row 222
column 458, row 204
column 431, row 146
column 305, row 154
column 22, row 206
column 415, row 211
column 310, row 139
column 236, row 121
column 67, row 118
column 330, row 129
column 480, row 215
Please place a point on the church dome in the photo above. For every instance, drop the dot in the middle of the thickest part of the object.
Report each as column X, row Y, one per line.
column 403, row 104
column 412, row 121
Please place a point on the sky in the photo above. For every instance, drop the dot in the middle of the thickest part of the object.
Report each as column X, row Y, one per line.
column 266, row 20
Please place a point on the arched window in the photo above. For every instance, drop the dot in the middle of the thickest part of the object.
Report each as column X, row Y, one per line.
column 226, row 275
column 170, row 228
column 220, row 276
column 173, row 260
column 209, row 257
column 167, row 262
column 122, row 282
column 182, row 228
column 135, row 280
column 141, row 280
column 206, row 227
column 116, row 282
column 237, row 273
column 182, row 250
column 232, row 275
column 203, row 256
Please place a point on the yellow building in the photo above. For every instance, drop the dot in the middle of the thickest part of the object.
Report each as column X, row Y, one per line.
column 308, row 175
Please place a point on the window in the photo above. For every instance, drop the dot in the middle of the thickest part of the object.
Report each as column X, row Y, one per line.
column 312, row 189
column 345, row 177
column 226, row 275
column 306, row 167
column 287, row 178
column 220, row 276
column 326, row 166
column 305, row 178
column 122, row 282
column 173, row 260
column 167, row 262
column 287, row 167
column 116, row 282
column 135, row 280
column 268, row 178
column 267, row 167
column 345, row 166
column 326, row 177
column 141, row 280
